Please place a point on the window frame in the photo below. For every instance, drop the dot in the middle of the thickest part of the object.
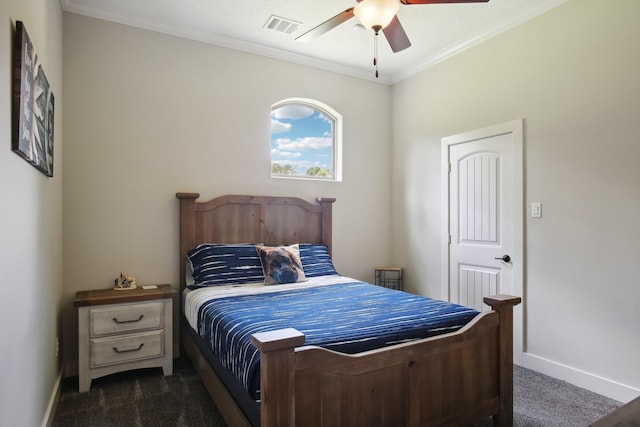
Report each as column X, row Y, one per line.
column 336, row 119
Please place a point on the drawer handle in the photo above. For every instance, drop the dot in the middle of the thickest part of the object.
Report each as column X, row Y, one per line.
column 115, row 319
column 128, row 351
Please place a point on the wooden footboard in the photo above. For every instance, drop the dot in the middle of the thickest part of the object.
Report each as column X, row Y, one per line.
column 452, row 379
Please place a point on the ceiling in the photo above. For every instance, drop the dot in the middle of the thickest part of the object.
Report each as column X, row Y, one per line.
column 436, row 31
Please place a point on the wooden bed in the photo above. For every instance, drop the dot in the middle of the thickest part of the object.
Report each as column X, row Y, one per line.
column 453, row 379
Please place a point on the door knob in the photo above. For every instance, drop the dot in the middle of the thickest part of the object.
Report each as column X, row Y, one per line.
column 505, row 258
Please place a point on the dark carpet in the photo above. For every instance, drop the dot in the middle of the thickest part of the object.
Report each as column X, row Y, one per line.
column 543, row 401
column 145, row 397
column 140, row 398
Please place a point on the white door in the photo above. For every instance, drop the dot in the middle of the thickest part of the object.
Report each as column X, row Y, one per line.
column 482, row 225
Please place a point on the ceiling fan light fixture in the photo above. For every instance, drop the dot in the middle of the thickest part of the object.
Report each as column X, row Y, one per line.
column 376, row 14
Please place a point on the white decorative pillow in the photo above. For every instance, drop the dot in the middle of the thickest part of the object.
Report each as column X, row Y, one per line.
column 281, row 264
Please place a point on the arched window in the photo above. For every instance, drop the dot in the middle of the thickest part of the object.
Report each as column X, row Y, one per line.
column 306, row 140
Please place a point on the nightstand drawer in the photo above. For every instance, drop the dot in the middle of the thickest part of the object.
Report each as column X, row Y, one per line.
column 109, row 351
column 125, row 318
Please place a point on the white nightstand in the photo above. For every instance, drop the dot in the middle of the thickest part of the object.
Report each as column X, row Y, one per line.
column 119, row 330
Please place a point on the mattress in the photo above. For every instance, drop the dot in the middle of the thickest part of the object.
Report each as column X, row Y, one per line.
column 334, row 312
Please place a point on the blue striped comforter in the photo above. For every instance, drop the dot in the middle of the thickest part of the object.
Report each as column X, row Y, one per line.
column 347, row 317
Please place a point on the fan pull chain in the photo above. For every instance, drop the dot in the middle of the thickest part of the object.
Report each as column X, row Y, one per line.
column 375, row 50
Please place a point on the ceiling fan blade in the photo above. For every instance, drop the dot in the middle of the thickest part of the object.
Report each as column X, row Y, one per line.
column 326, row 26
column 410, row 2
column 396, row 36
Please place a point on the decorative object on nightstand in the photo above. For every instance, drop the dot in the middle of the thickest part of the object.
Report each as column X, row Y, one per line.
column 119, row 331
column 389, row 277
column 124, row 283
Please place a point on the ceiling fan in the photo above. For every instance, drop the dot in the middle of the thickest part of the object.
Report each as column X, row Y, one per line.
column 377, row 15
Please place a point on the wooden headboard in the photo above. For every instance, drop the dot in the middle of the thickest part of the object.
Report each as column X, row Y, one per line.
column 251, row 219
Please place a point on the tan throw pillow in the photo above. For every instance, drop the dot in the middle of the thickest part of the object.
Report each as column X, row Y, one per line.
column 281, row 264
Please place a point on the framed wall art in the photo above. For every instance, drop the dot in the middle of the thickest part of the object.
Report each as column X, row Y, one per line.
column 33, row 102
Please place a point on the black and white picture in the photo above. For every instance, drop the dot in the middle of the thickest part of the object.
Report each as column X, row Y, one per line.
column 32, row 106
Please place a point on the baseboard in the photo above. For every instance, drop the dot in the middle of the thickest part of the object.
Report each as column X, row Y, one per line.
column 47, row 421
column 603, row 386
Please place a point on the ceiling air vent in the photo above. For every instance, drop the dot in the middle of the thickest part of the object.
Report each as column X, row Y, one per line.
column 281, row 25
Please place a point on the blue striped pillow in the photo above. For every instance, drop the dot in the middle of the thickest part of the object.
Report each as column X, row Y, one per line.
column 316, row 260
column 221, row 264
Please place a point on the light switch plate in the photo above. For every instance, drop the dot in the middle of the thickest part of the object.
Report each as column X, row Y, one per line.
column 536, row 210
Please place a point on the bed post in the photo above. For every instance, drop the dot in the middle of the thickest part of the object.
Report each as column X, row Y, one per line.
column 503, row 305
column 277, row 377
column 327, row 221
column 187, row 230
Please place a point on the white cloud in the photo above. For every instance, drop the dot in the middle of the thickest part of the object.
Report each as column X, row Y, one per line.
column 302, row 144
column 324, row 118
column 280, row 127
column 284, row 155
column 292, row 111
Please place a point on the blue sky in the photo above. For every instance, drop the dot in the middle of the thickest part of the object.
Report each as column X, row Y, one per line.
column 301, row 136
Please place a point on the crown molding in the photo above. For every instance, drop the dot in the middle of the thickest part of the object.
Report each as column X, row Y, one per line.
column 468, row 43
column 228, row 42
column 308, row 61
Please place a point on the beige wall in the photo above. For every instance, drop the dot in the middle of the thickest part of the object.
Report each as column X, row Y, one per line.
column 573, row 75
column 30, row 232
column 149, row 115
